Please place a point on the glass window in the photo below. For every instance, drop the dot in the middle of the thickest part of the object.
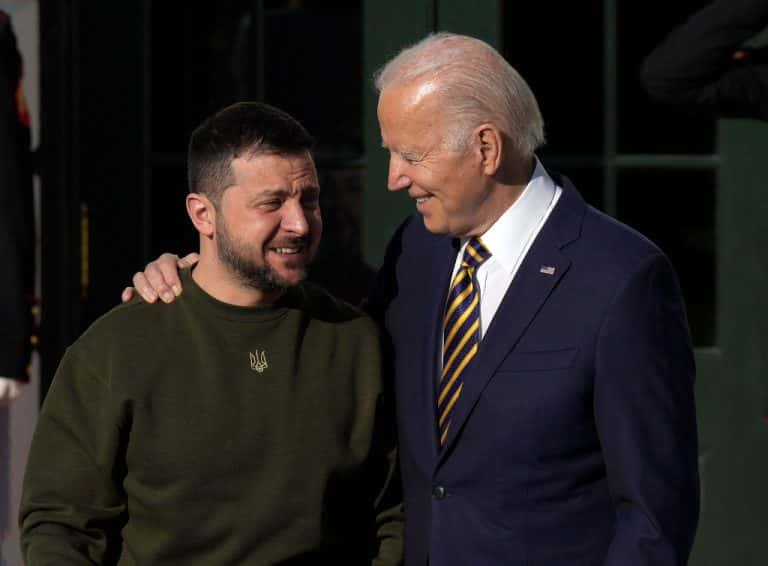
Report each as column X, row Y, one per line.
column 646, row 126
column 676, row 210
column 563, row 64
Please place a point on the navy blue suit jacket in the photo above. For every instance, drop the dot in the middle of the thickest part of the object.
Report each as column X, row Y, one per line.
column 573, row 442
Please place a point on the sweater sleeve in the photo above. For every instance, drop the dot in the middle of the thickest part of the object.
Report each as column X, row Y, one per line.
column 388, row 504
column 73, row 506
column 695, row 67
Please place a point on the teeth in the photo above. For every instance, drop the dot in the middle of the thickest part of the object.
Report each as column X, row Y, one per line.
column 287, row 250
column 421, row 199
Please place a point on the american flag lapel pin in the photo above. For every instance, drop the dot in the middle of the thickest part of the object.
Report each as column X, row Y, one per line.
column 547, row 270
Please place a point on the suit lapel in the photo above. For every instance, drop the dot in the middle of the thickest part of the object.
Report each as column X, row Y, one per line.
column 543, row 267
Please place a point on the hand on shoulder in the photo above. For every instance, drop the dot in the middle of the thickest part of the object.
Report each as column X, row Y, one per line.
column 160, row 278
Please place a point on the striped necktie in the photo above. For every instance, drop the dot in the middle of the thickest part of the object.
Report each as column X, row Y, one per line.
column 461, row 332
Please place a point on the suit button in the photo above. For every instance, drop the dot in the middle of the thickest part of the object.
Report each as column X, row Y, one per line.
column 438, row 492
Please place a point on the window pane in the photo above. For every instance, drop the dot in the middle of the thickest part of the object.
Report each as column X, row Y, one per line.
column 646, row 126
column 314, row 70
column 676, row 210
column 563, row 64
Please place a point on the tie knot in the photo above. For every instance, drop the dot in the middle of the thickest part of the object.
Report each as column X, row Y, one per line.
column 475, row 253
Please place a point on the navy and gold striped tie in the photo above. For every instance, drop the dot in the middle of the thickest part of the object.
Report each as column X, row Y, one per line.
column 461, row 332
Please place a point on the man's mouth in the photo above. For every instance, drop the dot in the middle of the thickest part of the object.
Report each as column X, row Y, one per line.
column 288, row 251
column 294, row 247
column 421, row 202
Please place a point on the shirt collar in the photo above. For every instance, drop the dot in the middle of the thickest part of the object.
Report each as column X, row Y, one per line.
column 508, row 236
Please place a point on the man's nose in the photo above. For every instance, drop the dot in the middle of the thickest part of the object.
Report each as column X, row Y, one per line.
column 295, row 218
column 397, row 178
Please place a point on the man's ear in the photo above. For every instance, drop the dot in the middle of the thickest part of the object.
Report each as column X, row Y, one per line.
column 202, row 213
column 491, row 147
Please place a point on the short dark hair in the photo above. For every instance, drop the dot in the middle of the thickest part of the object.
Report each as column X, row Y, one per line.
column 250, row 128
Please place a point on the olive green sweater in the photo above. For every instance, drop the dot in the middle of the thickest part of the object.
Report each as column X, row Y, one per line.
column 204, row 433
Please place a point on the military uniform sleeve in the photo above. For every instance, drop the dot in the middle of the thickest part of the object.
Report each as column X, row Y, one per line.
column 73, row 506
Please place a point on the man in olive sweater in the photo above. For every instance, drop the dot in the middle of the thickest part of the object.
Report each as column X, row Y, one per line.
column 246, row 423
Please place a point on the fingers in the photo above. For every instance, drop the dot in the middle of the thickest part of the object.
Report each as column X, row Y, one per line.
column 143, row 287
column 127, row 294
column 188, row 260
column 163, row 275
column 160, row 278
column 156, row 278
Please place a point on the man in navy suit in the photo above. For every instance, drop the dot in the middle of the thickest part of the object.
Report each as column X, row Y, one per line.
column 543, row 364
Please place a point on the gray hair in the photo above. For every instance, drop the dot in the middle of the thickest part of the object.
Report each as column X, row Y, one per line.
column 476, row 85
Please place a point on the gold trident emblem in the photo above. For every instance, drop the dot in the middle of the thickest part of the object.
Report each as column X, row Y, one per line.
column 259, row 361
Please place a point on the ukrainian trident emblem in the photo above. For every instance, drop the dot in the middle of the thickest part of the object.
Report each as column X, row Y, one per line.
column 258, row 360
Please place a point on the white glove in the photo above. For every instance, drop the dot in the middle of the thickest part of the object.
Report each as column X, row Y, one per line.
column 10, row 389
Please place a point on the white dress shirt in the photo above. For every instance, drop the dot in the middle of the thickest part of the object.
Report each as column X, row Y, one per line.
column 509, row 240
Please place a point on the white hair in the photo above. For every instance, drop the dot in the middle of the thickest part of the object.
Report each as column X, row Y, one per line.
column 476, row 85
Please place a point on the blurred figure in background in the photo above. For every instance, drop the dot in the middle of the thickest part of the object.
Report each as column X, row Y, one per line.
column 16, row 239
column 703, row 66
column 16, row 220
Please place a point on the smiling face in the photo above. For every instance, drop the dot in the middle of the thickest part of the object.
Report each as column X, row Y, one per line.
column 452, row 189
column 268, row 223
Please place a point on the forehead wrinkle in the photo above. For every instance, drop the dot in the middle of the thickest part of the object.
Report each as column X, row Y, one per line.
column 274, row 192
column 285, row 191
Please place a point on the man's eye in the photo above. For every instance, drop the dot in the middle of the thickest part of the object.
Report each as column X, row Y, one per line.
column 271, row 204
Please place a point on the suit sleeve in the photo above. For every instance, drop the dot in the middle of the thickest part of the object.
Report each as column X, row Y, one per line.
column 694, row 67
column 646, row 419
column 72, row 506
